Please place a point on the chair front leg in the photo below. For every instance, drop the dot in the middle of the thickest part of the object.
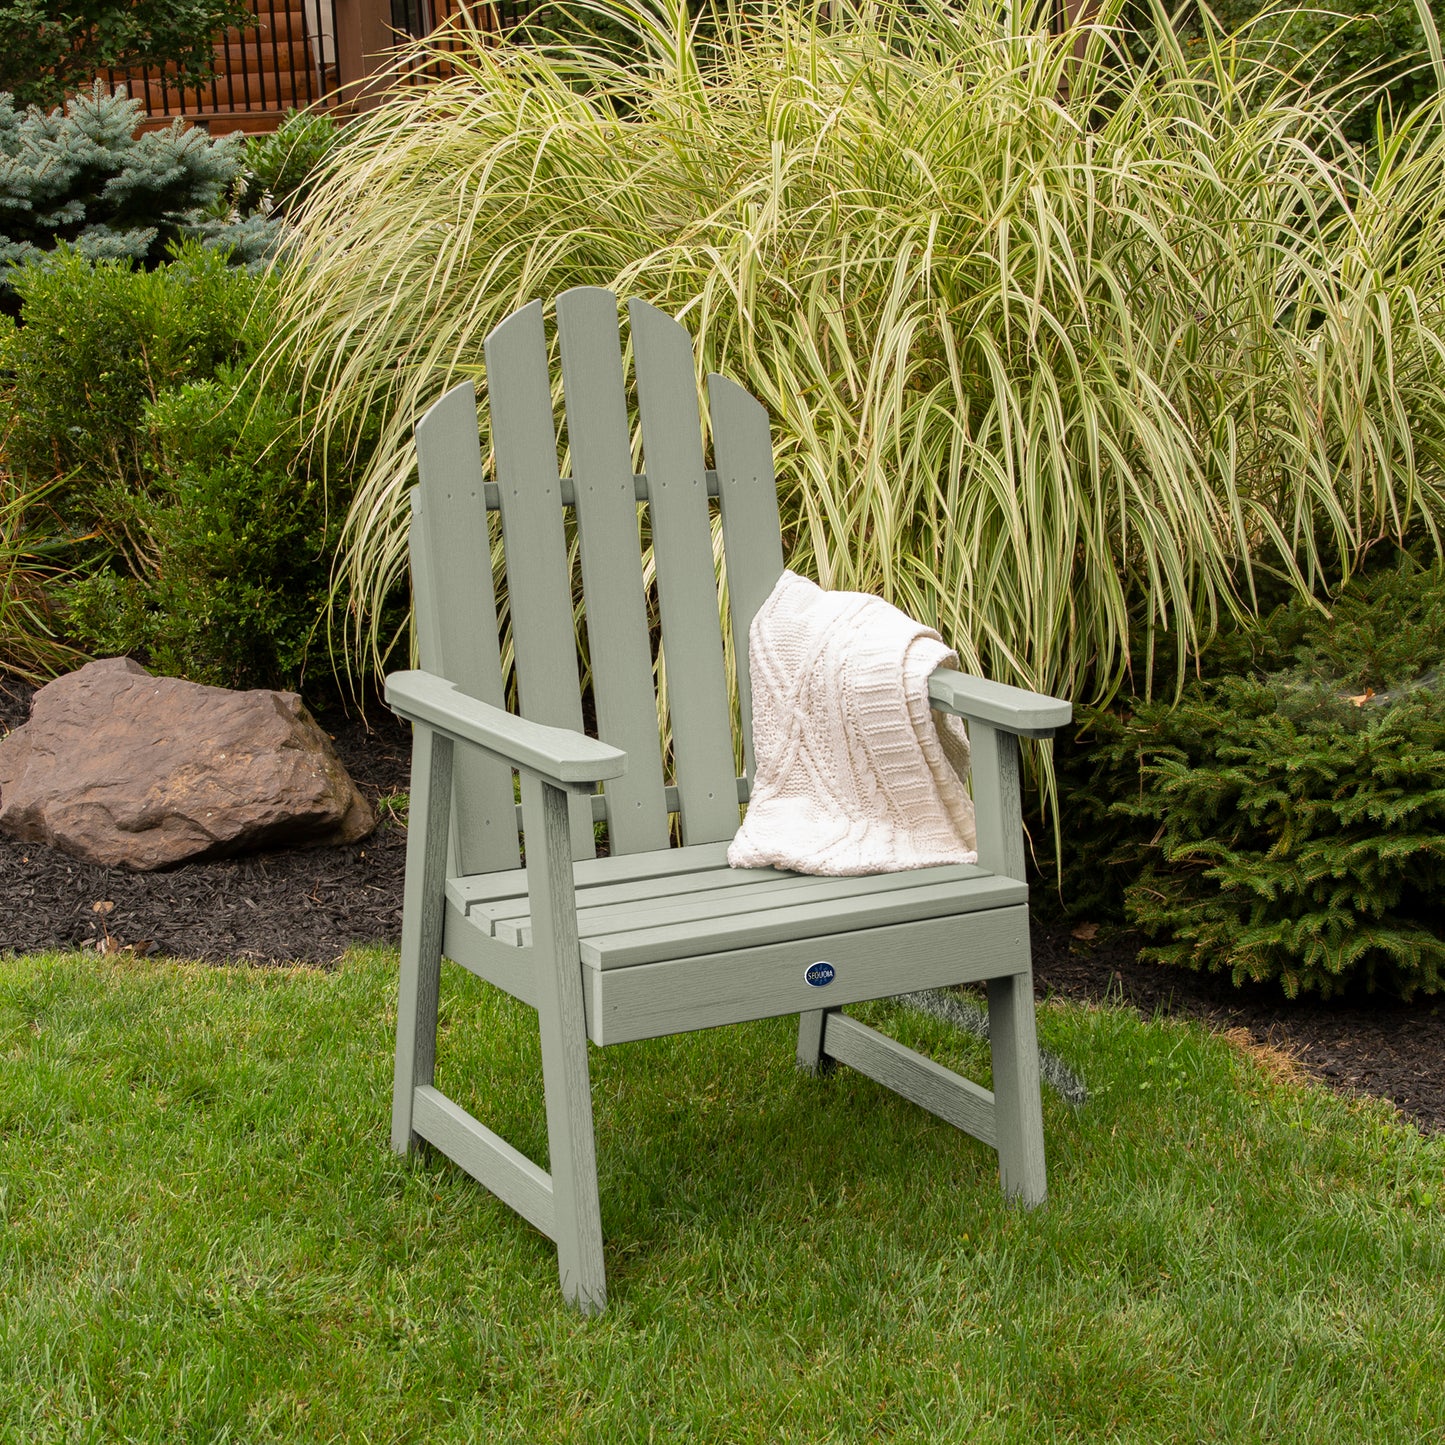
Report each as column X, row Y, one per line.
column 423, row 917
column 1018, row 1107
column 563, row 1022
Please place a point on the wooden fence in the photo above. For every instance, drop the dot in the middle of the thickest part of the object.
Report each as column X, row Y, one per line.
column 298, row 54
column 322, row 53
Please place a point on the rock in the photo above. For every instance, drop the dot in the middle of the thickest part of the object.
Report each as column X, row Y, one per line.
column 128, row 770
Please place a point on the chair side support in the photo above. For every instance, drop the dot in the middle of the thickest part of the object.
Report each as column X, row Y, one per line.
column 997, row 799
column 573, row 1211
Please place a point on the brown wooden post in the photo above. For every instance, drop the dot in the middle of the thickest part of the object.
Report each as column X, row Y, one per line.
column 1077, row 14
column 1074, row 15
column 363, row 36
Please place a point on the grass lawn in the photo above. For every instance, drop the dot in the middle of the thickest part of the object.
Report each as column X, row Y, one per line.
column 203, row 1236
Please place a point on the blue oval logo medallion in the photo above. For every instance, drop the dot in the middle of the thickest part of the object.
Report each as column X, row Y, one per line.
column 820, row 974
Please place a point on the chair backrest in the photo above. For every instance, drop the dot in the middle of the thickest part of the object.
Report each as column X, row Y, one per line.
column 452, row 568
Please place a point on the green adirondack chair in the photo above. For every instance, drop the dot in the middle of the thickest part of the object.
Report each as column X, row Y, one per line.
column 653, row 939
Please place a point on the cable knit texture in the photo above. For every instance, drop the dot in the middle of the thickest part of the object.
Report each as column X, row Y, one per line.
column 855, row 772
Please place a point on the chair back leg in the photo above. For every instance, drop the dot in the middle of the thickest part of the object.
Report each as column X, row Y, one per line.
column 811, row 1058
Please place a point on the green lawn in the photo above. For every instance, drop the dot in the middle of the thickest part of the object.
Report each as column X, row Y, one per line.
column 204, row 1237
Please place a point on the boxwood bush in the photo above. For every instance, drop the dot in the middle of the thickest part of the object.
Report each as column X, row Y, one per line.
column 230, row 541
column 200, row 537
column 1285, row 821
column 98, row 341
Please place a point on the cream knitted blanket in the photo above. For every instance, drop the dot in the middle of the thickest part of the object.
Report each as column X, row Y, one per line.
column 855, row 772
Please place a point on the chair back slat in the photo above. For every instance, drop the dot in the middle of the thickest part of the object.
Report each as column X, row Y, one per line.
column 457, row 624
column 686, row 579
column 451, row 565
column 539, row 587
column 606, row 509
column 752, row 535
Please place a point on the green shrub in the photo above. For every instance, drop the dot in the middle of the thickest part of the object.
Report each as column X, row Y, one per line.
column 48, row 50
column 232, row 542
column 98, row 342
column 198, row 520
column 1285, row 821
column 282, row 169
column 82, row 178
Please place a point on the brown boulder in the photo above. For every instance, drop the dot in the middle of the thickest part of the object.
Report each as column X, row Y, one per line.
column 128, row 770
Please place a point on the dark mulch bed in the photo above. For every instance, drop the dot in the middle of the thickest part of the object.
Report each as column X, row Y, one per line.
column 309, row 905
column 297, row 905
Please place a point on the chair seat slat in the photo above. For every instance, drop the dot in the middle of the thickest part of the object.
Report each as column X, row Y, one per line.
column 750, row 905
column 646, row 890
column 625, row 948
column 718, row 891
column 763, row 895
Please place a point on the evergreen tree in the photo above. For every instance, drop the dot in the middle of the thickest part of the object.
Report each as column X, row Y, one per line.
column 81, row 177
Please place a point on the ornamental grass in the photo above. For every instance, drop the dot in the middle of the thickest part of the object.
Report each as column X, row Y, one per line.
column 1062, row 348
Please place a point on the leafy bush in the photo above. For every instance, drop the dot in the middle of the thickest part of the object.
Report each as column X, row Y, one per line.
column 99, row 342
column 199, row 521
column 81, row 177
column 232, row 542
column 1058, row 354
column 283, row 168
column 1289, row 814
column 47, row 51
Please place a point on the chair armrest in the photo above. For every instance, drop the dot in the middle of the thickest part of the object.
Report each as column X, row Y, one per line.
column 1010, row 709
column 559, row 755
